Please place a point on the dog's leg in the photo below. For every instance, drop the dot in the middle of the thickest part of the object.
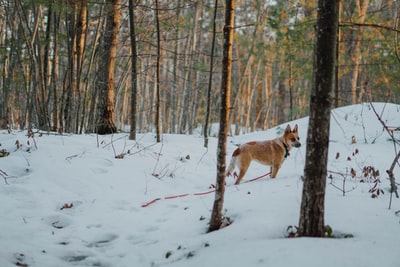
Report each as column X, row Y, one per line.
column 242, row 172
column 231, row 167
column 274, row 170
column 232, row 163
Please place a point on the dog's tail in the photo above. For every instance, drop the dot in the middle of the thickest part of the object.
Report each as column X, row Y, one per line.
column 232, row 163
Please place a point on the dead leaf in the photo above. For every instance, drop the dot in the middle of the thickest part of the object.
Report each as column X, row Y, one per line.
column 353, row 173
column 4, row 153
column 67, row 206
column 120, row 156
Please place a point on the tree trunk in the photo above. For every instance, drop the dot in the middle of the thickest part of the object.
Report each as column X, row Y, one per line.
column 81, row 28
column 70, row 101
column 132, row 133
column 313, row 197
column 105, row 76
column 214, row 33
column 216, row 215
column 362, row 6
column 55, row 71
column 91, row 123
column 175, row 94
column 352, row 39
column 157, row 119
column 188, row 89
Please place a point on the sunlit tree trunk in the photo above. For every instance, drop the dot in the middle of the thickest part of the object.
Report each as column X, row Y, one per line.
column 356, row 13
column 90, row 117
column 81, row 27
column 361, row 6
column 216, row 215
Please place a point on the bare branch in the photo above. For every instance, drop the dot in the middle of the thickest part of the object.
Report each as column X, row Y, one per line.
column 369, row 25
column 393, row 186
column 4, row 175
column 396, row 44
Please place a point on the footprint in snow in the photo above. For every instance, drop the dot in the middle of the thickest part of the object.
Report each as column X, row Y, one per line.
column 99, row 170
column 21, row 259
column 102, row 240
column 83, row 259
column 90, row 226
column 102, row 165
column 57, row 221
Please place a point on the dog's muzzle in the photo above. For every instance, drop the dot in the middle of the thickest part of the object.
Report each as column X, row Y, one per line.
column 297, row 145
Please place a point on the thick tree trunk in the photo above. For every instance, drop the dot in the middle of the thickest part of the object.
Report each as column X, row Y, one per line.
column 105, row 79
column 315, row 170
column 216, row 215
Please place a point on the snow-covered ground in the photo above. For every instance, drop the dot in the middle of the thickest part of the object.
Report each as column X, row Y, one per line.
column 68, row 201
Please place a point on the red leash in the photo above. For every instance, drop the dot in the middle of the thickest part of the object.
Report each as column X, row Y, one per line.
column 257, row 178
column 198, row 194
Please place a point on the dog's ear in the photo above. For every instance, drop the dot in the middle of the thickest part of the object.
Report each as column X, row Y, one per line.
column 295, row 129
column 288, row 130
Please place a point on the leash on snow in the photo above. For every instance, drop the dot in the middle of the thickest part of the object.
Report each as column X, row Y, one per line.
column 199, row 193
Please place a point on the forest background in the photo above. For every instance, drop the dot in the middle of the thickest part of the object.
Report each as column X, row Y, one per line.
column 59, row 71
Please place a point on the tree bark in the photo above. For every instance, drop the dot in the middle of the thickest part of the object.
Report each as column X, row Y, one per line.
column 216, row 215
column 81, row 28
column 355, row 12
column 157, row 119
column 70, row 101
column 105, row 79
column 55, row 71
column 207, row 119
column 313, row 198
column 90, row 118
column 132, row 133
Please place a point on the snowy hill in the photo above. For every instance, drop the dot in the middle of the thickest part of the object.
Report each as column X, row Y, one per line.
column 68, row 201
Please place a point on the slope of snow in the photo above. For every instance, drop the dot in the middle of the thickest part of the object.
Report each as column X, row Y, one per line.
column 68, row 201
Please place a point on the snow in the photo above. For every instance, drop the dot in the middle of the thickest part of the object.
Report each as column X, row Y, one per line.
column 66, row 200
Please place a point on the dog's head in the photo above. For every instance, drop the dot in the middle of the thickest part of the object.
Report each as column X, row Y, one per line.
column 292, row 136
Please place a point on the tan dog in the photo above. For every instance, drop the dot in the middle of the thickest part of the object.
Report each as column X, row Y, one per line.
column 270, row 152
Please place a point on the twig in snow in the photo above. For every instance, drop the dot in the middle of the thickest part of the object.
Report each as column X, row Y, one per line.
column 4, row 175
column 158, row 160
